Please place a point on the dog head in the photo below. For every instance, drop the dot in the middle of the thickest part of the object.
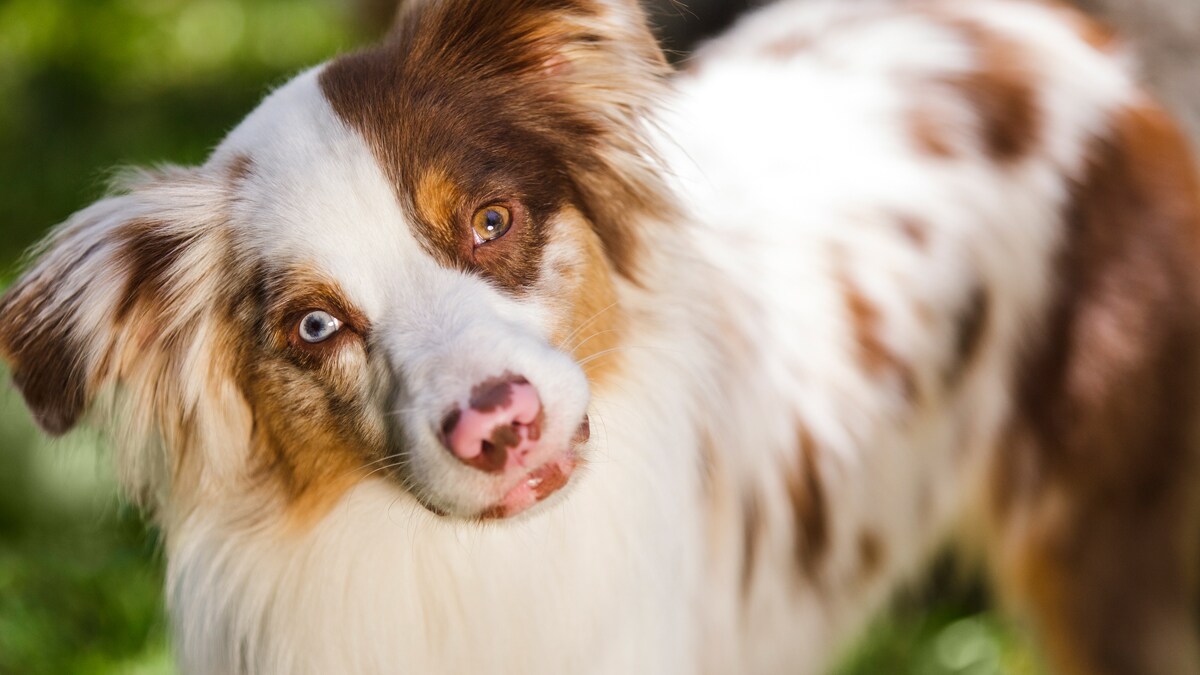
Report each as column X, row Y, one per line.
column 403, row 264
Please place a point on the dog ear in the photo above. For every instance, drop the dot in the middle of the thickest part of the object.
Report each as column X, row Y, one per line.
column 93, row 284
column 596, row 51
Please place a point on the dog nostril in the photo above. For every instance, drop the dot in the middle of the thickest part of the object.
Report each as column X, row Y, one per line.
column 499, row 427
column 448, row 423
column 494, row 454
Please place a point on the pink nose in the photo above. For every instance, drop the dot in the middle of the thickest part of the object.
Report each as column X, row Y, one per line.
column 499, row 428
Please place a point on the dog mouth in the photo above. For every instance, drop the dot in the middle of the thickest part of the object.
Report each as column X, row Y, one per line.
column 541, row 481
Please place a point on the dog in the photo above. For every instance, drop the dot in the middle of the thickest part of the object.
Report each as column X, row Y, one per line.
column 500, row 347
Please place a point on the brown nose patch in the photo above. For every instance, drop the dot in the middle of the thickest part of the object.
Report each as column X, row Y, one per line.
column 494, row 392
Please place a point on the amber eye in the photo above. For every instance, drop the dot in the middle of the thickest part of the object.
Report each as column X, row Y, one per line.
column 490, row 223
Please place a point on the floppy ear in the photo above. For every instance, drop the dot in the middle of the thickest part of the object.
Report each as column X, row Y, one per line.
column 67, row 324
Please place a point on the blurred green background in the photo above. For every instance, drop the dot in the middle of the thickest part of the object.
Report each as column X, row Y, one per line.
column 90, row 85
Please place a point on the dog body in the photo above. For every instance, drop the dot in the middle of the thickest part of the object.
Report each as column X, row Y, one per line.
column 857, row 279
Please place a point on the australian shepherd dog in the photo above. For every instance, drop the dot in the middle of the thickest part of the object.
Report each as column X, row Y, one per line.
column 501, row 347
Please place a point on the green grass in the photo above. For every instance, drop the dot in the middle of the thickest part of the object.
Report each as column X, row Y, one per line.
column 940, row 638
column 80, row 575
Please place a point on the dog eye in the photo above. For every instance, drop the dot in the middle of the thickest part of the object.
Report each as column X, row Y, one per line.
column 490, row 223
column 318, row 326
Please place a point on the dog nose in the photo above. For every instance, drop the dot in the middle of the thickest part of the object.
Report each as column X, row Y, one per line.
column 499, row 427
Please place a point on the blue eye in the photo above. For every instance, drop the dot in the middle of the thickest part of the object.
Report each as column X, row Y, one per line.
column 318, row 326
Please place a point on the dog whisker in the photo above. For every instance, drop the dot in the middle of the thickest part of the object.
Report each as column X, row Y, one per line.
column 592, row 357
column 589, row 339
column 585, row 324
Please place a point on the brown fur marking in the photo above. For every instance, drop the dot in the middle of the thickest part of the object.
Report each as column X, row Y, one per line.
column 970, row 331
column 497, row 102
column 440, row 205
column 47, row 363
column 36, row 336
column 865, row 319
column 149, row 251
column 925, row 124
column 1000, row 90
column 1095, row 497
column 592, row 332
column 1096, row 33
column 875, row 356
column 915, row 231
column 870, row 554
column 240, row 168
column 312, row 430
column 810, row 512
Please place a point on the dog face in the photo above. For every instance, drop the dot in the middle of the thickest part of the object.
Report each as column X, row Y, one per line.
column 403, row 264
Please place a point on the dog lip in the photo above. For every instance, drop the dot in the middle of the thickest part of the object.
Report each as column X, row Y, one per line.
column 535, row 486
column 542, row 481
column 548, row 479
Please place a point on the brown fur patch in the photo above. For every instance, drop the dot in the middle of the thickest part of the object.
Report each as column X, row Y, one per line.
column 926, row 124
column 1000, row 89
column 865, row 320
column 313, row 433
column 149, row 251
column 810, row 513
column 48, row 365
column 753, row 529
column 299, row 446
column 1096, row 33
column 240, row 168
column 592, row 331
column 876, row 357
column 503, row 102
column 969, row 332
column 870, row 554
column 439, row 200
column 1095, row 496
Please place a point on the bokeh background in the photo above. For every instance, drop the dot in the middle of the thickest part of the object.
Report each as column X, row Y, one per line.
column 90, row 85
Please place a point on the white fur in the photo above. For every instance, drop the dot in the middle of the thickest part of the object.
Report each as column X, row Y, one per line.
column 847, row 172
